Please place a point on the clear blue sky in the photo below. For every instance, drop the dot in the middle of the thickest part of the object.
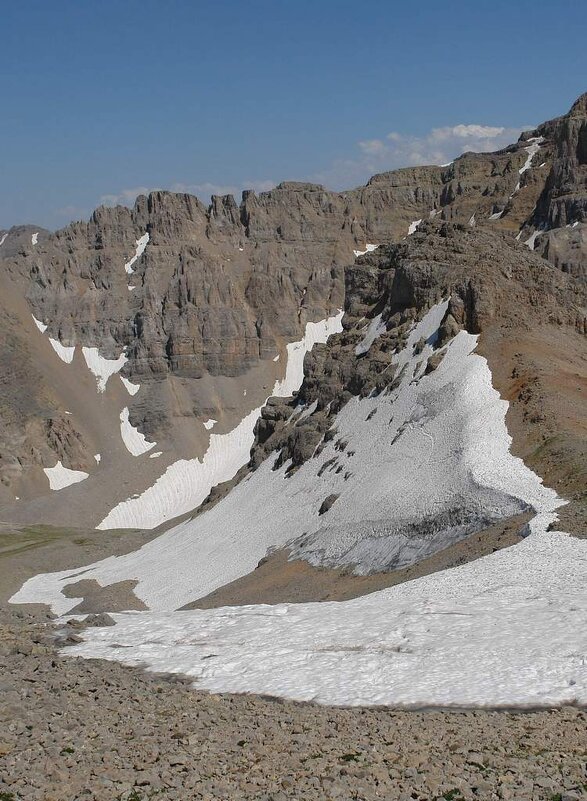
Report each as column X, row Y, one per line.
column 101, row 98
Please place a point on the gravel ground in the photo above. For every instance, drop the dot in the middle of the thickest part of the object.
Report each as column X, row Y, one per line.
column 94, row 731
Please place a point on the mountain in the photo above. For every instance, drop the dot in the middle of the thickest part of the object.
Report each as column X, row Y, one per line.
column 140, row 347
column 375, row 399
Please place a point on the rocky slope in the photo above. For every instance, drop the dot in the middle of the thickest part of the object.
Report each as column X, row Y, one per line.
column 201, row 303
column 96, row 730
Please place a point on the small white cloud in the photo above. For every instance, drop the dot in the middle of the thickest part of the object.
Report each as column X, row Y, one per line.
column 373, row 147
column 438, row 146
column 473, row 132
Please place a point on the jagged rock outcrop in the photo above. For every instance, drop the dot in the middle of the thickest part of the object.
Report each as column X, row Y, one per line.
column 495, row 288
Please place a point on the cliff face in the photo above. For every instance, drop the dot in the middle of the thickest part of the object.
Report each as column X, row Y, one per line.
column 202, row 301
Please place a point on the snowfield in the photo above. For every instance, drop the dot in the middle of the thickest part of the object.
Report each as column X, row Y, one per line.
column 421, row 467
column 507, row 630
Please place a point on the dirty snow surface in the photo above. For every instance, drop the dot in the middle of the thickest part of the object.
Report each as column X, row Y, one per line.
column 415, row 469
column 507, row 630
column 61, row 477
column 187, row 482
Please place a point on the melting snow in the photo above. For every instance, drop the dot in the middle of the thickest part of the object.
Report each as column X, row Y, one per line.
column 375, row 329
column 136, row 442
column 61, row 477
column 41, row 326
column 368, row 249
column 413, row 226
column 509, row 629
column 187, row 482
column 103, row 368
column 208, row 424
column 141, row 245
column 35, row 238
column 131, row 388
column 64, row 352
column 431, row 465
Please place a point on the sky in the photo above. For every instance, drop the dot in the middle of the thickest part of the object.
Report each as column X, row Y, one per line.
column 103, row 100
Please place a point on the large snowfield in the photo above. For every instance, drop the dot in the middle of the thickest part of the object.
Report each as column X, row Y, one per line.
column 414, row 469
column 507, row 630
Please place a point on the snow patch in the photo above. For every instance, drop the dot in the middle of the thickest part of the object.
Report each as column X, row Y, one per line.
column 276, row 358
column 98, row 458
column 131, row 388
column 496, row 216
column 3, row 239
column 155, row 455
column 103, row 368
column 531, row 241
column 64, row 352
column 135, row 442
column 141, row 245
column 376, row 327
column 187, row 482
column 413, row 226
column 368, row 249
column 35, row 238
column 41, row 326
column 61, row 477
column 208, row 424
column 532, row 150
